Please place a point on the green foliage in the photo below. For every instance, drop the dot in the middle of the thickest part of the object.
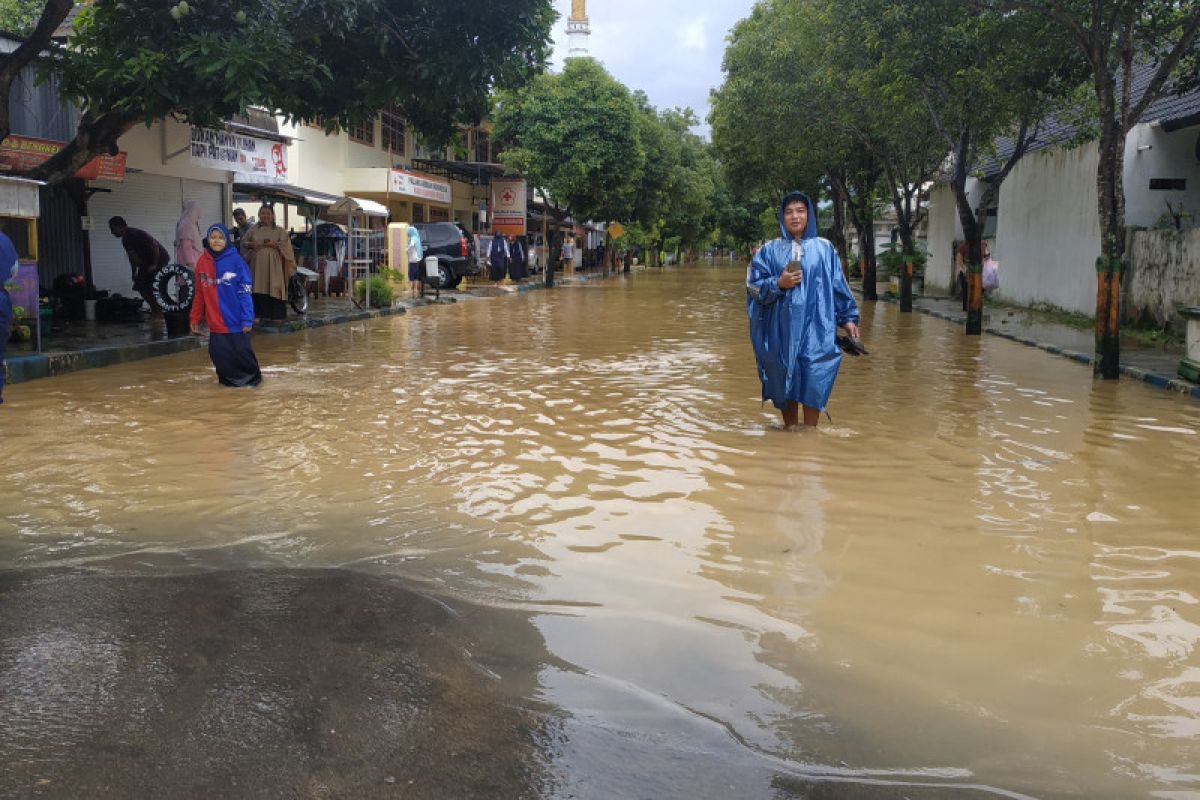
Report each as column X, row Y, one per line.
column 202, row 61
column 19, row 16
column 382, row 291
column 893, row 259
column 575, row 135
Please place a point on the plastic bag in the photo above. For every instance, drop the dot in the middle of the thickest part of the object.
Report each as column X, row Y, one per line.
column 991, row 274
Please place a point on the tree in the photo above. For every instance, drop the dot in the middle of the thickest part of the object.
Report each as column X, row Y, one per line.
column 138, row 61
column 19, row 16
column 575, row 136
column 1116, row 37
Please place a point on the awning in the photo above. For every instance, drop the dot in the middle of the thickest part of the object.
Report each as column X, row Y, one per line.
column 343, row 209
column 285, row 191
column 477, row 173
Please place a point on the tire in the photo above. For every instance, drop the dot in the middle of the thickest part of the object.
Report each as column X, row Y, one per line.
column 454, row 282
column 298, row 294
column 173, row 288
column 446, row 278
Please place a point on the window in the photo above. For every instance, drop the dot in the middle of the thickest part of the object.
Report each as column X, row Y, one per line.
column 363, row 132
column 391, row 128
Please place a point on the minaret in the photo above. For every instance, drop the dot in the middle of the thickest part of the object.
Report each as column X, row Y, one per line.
column 578, row 30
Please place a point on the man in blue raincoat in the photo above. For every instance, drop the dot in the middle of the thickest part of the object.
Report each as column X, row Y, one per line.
column 797, row 297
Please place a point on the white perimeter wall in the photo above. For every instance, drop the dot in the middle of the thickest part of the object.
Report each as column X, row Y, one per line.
column 1048, row 232
column 1167, row 155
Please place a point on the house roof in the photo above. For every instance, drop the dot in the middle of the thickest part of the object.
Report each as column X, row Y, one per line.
column 1172, row 111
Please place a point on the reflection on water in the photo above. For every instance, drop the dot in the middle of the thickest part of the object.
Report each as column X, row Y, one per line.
column 981, row 572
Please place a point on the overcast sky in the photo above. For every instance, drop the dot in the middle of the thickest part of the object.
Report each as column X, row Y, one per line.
column 670, row 49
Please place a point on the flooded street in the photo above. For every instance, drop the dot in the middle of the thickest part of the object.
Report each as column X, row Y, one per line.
column 980, row 579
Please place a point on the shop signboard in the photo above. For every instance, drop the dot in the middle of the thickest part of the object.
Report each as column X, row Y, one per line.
column 406, row 183
column 23, row 153
column 240, row 153
column 508, row 206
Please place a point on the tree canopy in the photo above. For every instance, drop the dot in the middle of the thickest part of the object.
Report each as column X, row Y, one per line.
column 202, row 61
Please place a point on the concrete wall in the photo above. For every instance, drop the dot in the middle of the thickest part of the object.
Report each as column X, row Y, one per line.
column 1164, row 273
column 943, row 230
column 1162, row 155
column 1048, row 231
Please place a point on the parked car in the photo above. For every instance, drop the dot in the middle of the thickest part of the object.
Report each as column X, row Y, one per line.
column 454, row 249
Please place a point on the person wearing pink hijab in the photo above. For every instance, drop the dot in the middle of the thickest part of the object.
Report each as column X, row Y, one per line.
column 188, row 244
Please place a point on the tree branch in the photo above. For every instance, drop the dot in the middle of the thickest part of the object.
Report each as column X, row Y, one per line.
column 1165, row 68
column 12, row 63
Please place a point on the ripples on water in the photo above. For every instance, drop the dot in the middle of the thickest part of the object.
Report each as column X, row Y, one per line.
column 982, row 570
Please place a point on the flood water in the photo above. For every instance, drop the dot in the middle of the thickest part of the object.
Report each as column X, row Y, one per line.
column 982, row 573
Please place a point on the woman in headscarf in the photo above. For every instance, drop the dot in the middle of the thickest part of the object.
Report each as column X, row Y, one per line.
column 269, row 251
column 498, row 259
column 516, row 259
column 797, row 296
column 188, row 246
column 223, row 303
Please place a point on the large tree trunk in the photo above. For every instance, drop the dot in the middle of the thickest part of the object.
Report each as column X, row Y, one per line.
column 1111, row 199
column 94, row 136
column 837, row 193
column 972, row 235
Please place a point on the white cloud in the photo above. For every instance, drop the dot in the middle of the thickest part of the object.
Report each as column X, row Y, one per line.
column 691, row 36
column 666, row 48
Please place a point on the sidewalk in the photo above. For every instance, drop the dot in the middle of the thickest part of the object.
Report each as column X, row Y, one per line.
column 77, row 344
column 1154, row 366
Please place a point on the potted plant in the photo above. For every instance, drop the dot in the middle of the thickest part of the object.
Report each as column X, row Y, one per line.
column 893, row 261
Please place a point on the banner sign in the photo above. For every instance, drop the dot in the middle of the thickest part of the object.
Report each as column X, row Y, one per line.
column 22, row 153
column 234, row 151
column 416, row 186
column 508, row 206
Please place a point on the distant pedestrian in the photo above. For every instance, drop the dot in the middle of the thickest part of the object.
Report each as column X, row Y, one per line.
column 797, row 297
column 516, row 259
column 269, row 252
column 497, row 259
column 146, row 257
column 188, row 247
column 223, row 303
column 9, row 264
column 416, row 253
column 241, row 226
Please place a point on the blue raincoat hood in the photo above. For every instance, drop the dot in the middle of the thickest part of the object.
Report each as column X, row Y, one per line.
column 810, row 232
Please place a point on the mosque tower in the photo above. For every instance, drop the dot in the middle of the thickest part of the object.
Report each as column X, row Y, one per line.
column 578, row 30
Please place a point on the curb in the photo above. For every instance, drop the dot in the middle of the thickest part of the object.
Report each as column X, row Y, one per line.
column 1155, row 379
column 46, row 365
column 22, row 368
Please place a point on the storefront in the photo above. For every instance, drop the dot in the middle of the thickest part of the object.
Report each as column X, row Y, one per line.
column 408, row 196
column 169, row 164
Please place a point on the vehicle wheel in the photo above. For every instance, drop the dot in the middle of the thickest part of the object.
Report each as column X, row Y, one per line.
column 298, row 294
column 445, row 277
column 454, row 282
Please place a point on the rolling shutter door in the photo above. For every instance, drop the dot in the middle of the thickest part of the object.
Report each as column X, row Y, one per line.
column 152, row 203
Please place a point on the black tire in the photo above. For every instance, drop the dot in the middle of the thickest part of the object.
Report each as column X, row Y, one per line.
column 454, row 282
column 298, row 294
column 173, row 287
column 446, row 278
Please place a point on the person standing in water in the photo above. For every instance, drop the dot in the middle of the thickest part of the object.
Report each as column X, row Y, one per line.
column 797, row 297
column 223, row 303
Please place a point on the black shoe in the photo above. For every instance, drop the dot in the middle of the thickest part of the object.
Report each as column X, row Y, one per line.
column 852, row 345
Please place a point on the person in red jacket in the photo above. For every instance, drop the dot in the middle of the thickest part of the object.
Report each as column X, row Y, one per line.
column 223, row 303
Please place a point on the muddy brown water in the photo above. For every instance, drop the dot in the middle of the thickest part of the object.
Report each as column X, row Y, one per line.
column 980, row 579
